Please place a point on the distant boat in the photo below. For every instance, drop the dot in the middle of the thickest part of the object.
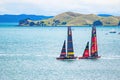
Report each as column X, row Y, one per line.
column 70, row 50
column 94, row 47
column 112, row 31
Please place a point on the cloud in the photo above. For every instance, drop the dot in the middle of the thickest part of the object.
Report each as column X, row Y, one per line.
column 53, row 7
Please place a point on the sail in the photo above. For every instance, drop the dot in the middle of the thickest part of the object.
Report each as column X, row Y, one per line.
column 63, row 51
column 94, row 49
column 86, row 51
column 70, row 50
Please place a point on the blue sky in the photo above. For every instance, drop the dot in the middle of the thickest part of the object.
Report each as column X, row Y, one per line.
column 54, row 7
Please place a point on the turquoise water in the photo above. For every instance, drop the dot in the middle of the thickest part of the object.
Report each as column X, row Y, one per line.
column 29, row 53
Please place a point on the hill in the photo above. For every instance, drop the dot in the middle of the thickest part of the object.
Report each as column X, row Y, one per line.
column 75, row 19
column 16, row 18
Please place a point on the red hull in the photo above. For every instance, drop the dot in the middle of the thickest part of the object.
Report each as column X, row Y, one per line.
column 66, row 58
column 89, row 57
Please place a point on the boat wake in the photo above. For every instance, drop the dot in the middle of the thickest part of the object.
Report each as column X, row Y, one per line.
column 111, row 57
column 26, row 55
column 11, row 55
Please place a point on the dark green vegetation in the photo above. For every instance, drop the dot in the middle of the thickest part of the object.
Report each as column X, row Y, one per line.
column 74, row 19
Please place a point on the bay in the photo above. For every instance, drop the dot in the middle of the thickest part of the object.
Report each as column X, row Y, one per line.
column 29, row 53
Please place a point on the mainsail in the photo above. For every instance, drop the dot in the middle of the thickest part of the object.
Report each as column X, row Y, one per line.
column 70, row 50
column 94, row 48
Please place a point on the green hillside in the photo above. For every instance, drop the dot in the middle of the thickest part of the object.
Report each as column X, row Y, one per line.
column 76, row 19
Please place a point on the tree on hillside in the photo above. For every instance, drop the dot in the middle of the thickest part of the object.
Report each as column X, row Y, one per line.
column 38, row 23
column 97, row 23
column 56, row 22
column 42, row 23
column 64, row 23
column 119, row 23
column 32, row 23
column 24, row 21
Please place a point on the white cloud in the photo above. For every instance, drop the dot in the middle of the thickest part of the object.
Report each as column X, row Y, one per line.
column 53, row 7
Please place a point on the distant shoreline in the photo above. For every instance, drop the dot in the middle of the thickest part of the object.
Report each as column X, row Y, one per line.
column 16, row 24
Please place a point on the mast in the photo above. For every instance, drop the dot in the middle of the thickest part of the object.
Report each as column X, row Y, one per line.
column 70, row 50
column 63, row 51
column 86, row 51
column 94, row 48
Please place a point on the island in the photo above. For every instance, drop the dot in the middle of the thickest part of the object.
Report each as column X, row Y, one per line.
column 74, row 19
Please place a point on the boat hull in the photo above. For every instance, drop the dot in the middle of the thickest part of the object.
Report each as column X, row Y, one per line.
column 66, row 58
column 89, row 57
column 112, row 32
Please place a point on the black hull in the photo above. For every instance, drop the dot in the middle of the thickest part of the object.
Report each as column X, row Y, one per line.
column 89, row 57
column 112, row 32
column 66, row 58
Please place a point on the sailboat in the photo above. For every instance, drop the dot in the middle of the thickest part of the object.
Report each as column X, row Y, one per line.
column 94, row 47
column 113, row 31
column 70, row 50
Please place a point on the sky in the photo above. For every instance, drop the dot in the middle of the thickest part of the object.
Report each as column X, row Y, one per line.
column 54, row 7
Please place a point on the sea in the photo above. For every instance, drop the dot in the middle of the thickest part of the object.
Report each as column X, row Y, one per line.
column 29, row 53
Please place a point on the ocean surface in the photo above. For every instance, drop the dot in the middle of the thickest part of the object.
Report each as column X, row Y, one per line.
column 29, row 53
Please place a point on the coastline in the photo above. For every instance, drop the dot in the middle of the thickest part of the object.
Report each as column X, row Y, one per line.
column 16, row 24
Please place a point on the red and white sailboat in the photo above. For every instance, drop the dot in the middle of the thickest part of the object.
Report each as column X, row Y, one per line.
column 94, row 47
